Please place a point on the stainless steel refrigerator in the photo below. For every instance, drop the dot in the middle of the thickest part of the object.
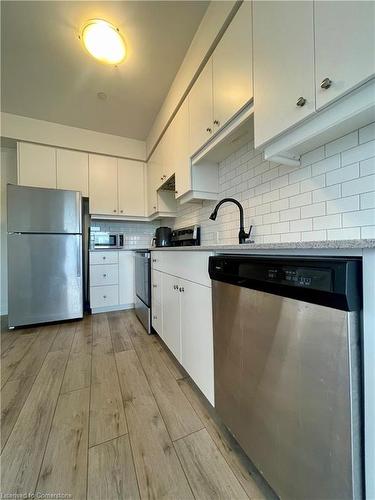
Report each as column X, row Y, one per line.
column 44, row 255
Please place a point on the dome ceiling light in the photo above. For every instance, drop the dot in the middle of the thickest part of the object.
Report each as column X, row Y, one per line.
column 103, row 41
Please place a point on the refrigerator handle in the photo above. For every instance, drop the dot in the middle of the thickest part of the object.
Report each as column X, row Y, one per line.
column 79, row 257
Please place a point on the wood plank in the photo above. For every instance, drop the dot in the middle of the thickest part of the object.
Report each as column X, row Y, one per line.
column 103, row 362
column 100, row 327
column 13, row 355
column 83, row 337
column 35, row 355
column 158, row 470
column 178, row 414
column 111, row 471
column 241, row 466
column 64, row 337
column 120, row 337
column 171, row 363
column 209, row 475
column 107, row 416
column 13, row 396
column 23, row 453
column 64, row 467
column 78, row 372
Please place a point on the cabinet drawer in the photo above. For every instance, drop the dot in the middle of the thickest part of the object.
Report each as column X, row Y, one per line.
column 103, row 296
column 110, row 257
column 106, row 274
column 189, row 265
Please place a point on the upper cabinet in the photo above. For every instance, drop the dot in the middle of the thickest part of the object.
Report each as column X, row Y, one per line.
column 36, row 165
column 180, row 153
column 232, row 68
column 345, row 47
column 72, row 170
column 201, row 109
column 103, row 185
column 284, row 90
column 131, row 187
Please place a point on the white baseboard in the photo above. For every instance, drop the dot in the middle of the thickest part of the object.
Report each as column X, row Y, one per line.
column 120, row 307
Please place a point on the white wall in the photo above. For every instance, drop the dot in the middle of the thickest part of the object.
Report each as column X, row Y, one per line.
column 53, row 134
column 8, row 173
column 331, row 196
column 210, row 26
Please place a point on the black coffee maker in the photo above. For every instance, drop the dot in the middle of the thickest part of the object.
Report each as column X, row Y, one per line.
column 163, row 237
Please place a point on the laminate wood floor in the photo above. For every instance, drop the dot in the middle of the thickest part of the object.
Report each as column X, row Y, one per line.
column 98, row 409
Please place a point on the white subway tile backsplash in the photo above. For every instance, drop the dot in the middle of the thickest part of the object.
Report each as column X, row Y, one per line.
column 350, row 233
column 327, row 222
column 367, row 133
column 328, row 193
column 343, row 205
column 332, row 195
column 323, row 166
column 346, row 142
column 343, row 174
column 313, row 210
column 359, row 218
column 358, row 186
column 359, row 153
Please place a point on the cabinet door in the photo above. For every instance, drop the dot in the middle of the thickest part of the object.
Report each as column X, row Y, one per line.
column 171, row 314
column 103, row 185
column 126, row 277
column 196, row 336
column 232, row 67
column 344, row 45
column 180, row 153
column 156, row 301
column 131, row 187
column 152, row 195
column 200, row 109
column 283, row 66
column 36, row 165
column 73, row 170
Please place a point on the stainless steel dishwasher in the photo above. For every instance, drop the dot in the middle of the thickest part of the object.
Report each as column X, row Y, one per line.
column 287, row 369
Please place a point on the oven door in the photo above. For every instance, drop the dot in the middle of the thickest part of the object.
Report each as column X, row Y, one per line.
column 143, row 277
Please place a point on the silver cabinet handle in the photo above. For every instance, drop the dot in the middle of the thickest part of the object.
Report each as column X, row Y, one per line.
column 153, row 260
column 104, row 296
column 161, row 178
column 182, row 289
column 326, row 83
column 155, row 317
column 164, row 176
column 301, row 102
column 115, row 210
column 154, row 208
column 104, row 275
column 104, row 258
column 154, row 286
column 122, row 211
column 216, row 122
column 209, row 130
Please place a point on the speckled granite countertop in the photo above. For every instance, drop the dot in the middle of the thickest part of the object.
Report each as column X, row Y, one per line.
column 305, row 245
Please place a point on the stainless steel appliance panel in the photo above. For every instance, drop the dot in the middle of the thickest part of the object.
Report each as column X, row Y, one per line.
column 143, row 313
column 39, row 210
column 44, row 278
column 142, row 277
column 287, row 386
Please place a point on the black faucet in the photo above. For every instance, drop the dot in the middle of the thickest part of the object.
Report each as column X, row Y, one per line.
column 242, row 235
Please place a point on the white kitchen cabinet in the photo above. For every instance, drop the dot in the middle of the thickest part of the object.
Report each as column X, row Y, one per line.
column 171, row 333
column 201, row 109
column 103, row 185
column 158, row 201
column 180, row 153
column 284, row 89
column 36, row 165
column 232, row 68
column 131, row 188
column 344, row 47
column 106, row 274
column 126, row 277
column 197, row 355
column 72, row 170
column 104, row 257
column 102, row 297
column 156, row 301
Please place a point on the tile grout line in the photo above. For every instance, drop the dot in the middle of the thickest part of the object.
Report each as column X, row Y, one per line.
column 124, row 405
column 54, row 410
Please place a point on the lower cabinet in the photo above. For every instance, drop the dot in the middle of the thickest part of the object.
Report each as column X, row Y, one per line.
column 111, row 280
column 182, row 315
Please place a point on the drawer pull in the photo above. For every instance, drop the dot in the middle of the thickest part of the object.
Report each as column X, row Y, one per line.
column 182, row 289
column 104, row 275
column 153, row 260
column 326, row 83
column 154, row 286
column 155, row 317
column 104, row 296
column 301, row 102
column 209, row 130
column 216, row 122
column 104, row 258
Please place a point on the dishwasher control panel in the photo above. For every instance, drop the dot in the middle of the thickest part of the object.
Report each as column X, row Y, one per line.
column 319, row 279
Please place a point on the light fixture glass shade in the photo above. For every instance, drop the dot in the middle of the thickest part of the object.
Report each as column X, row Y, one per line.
column 103, row 41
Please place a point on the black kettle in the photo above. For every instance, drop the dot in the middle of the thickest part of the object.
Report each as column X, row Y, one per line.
column 163, row 237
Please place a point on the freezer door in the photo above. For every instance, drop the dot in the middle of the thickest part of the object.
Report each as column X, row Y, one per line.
column 39, row 210
column 44, row 278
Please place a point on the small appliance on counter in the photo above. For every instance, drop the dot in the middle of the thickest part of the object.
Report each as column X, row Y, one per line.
column 101, row 240
column 186, row 236
column 163, row 237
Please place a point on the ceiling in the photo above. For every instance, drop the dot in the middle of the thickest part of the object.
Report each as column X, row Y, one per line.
column 46, row 73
